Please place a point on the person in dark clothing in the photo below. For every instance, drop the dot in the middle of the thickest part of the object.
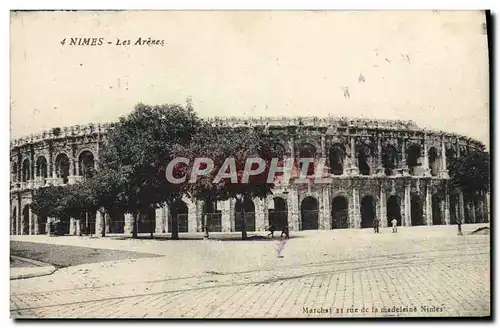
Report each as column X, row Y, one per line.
column 376, row 223
column 271, row 229
column 285, row 232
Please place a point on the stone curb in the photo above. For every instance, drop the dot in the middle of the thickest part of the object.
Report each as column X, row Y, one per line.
column 41, row 269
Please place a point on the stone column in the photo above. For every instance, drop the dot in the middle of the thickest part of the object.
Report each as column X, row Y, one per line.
column 354, row 216
column 383, row 207
column 72, row 226
column 428, row 204
column 30, row 222
column 71, row 176
column 193, row 214
column 473, row 210
column 260, row 224
column 48, row 226
column 107, row 223
column 159, row 220
column 100, row 218
column 407, row 205
column 77, row 227
column 444, row 169
column 225, row 207
column 380, row 166
column 461, row 207
column 447, row 207
column 293, row 210
column 354, row 170
column 327, row 215
column 128, row 224
column 426, row 172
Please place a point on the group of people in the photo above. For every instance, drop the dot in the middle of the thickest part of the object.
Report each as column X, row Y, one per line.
column 376, row 223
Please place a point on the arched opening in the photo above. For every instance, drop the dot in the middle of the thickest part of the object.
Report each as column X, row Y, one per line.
column 363, row 160
column 14, row 172
column 307, row 151
column 453, row 208
column 417, row 217
column 340, row 216
column 394, row 209
column 116, row 221
column 248, row 208
column 62, row 167
column 182, row 211
column 86, row 164
column 336, row 158
column 41, row 167
column 413, row 159
column 26, row 171
column 25, row 220
column 147, row 221
column 437, row 204
column 42, row 221
column 278, row 216
column 213, row 216
column 367, row 211
column 309, row 213
column 450, row 156
column 433, row 162
column 389, row 157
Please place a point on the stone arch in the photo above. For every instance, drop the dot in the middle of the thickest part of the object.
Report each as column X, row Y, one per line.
column 248, row 209
column 416, row 209
column 450, row 154
column 336, row 157
column 433, row 161
column 213, row 216
column 86, row 164
column 389, row 159
column 368, row 211
column 413, row 158
column 437, row 202
column 340, row 213
column 307, row 150
column 309, row 210
column 14, row 172
column 278, row 214
column 181, row 208
column 25, row 220
column 26, row 170
column 364, row 158
column 394, row 209
column 61, row 166
column 42, row 167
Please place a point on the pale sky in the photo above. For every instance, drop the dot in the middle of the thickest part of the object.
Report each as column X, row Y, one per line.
column 429, row 67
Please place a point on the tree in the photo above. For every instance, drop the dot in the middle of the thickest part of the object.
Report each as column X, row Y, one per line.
column 136, row 154
column 219, row 144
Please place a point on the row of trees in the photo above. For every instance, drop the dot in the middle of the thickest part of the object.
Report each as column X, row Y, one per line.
column 131, row 168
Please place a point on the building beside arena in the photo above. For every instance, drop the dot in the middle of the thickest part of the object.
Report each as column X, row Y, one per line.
column 380, row 168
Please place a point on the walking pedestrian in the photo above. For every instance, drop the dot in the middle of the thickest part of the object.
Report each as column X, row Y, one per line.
column 271, row 231
column 285, row 232
column 375, row 225
column 394, row 225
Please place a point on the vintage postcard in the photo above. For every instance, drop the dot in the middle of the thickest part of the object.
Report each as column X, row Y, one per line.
column 249, row 164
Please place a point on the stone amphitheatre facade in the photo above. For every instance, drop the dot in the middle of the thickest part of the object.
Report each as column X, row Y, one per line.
column 380, row 168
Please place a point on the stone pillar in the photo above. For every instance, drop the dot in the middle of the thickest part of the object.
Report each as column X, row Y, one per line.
column 444, row 169
column 473, row 210
column 159, row 223
column 34, row 219
column 77, row 228
column 383, row 207
column 327, row 211
column 380, row 166
column 354, row 170
column 293, row 210
column 407, row 205
column 225, row 208
column 426, row 172
column 193, row 213
column 71, row 176
column 354, row 216
column 99, row 223
column 48, row 226
column 461, row 207
column 260, row 224
column 72, row 226
column 30, row 222
column 404, row 167
column 446, row 207
column 128, row 224
column 107, row 223
column 428, row 205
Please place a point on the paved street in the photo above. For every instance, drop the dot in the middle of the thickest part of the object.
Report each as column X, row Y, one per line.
column 420, row 271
